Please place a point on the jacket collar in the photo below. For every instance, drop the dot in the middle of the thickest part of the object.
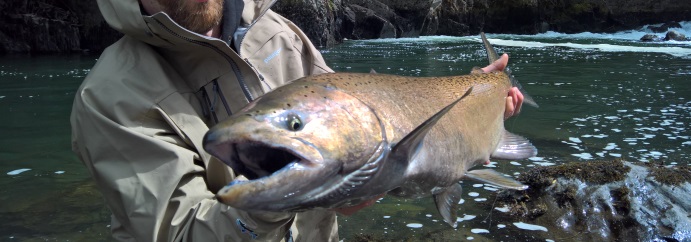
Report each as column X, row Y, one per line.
column 198, row 58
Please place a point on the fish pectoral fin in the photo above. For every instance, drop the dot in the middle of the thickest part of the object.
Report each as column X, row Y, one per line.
column 495, row 178
column 410, row 144
column 447, row 203
column 514, row 147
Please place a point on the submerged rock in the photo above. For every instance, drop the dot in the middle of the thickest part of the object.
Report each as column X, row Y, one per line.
column 606, row 200
column 674, row 35
column 650, row 38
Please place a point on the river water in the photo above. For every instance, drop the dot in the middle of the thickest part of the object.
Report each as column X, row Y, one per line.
column 601, row 96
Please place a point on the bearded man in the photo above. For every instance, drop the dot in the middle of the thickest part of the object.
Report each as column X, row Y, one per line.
column 139, row 116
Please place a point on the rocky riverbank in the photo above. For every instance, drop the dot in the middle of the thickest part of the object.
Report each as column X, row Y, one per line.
column 605, row 201
column 44, row 26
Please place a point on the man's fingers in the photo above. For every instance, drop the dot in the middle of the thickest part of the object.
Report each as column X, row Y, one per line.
column 497, row 65
column 514, row 102
column 519, row 100
column 508, row 112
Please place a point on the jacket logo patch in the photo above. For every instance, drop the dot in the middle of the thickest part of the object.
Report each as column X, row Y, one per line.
column 243, row 228
column 273, row 55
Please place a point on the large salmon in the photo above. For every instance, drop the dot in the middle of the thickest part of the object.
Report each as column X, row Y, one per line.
column 339, row 139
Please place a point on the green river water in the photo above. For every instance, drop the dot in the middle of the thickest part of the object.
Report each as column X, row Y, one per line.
column 601, row 97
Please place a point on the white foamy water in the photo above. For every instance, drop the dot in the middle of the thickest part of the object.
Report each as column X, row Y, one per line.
column 632, row 35
column 465, row 218
column 479, row 231
column 414, row 225
column 527, row 226
column 673, row 50
column 18, row 171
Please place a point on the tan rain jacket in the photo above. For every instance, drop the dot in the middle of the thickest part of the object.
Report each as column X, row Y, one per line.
column 140, row 115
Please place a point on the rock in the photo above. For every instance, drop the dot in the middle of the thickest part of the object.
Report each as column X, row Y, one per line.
column 657, row 29
column 368, row 25
column 544, row 27
column 318, row 19
column 674, row 35
column 73, row 25
column 664, row 27
column 359, row 19
column 605, row 201
column 650, row 38
column 45, row 26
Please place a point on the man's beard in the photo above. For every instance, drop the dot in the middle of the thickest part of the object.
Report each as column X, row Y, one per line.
column 194, row 16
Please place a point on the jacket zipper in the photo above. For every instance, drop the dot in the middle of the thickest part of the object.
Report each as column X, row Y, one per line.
column 234, row 66
column 261, row 77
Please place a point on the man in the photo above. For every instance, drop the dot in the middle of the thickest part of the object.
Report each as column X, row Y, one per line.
column 140, row 115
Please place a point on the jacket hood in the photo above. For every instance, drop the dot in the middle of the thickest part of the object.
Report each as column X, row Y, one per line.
column 127, row 17
column 197, row 58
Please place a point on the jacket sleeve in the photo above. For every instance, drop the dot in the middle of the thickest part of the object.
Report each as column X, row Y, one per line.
column 153, row 181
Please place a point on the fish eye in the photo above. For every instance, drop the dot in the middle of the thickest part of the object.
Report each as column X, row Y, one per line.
column 294, row 123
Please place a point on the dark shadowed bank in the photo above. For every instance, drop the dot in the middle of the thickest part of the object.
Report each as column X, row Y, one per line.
column 49, row 26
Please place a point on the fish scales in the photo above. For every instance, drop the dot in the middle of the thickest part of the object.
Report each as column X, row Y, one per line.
column 470, row 130
column 339, row 139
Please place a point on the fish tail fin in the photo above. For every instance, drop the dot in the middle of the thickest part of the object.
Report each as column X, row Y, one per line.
column 492, row 56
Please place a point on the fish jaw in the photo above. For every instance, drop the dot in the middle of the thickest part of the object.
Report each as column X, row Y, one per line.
column 271, row 193
column 269, row 161
column 296, row 169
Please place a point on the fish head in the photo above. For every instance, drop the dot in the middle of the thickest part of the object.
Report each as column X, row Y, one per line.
column 295, row 145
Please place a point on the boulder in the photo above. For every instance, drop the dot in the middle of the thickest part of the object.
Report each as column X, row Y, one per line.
column 605, row 201
column 676, row 36
column 368, row 25
column 45, row 26
column 664, row 27
column 319, row 20
column 358, row 19
column 650, row 38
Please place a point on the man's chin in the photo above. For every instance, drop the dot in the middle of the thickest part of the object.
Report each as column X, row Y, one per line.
column 197, row 16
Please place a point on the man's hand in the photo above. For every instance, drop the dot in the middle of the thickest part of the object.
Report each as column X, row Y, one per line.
column 514, row 99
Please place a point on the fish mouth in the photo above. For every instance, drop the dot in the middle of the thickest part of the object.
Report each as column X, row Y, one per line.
column 283, row 175
column 256, row 160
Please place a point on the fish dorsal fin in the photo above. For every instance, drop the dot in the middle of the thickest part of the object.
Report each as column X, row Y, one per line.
column 514, row 147
column 410, row 144
column 492, row 177
column 491, row 53
column 372, row 71
column 492, row 56
column 447, row 203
